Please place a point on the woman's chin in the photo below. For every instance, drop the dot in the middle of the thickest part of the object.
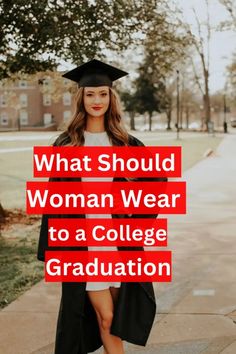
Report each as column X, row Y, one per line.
column 96, row 114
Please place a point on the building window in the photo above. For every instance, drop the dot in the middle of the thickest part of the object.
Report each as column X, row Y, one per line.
column 47, row 118
column 22, row 83
column 4, row 118
column 23, row 100
column 66, row 115
column 46, row 82
column 67, row 99
column 23, row 117
column 3, row 101
column 47, row 100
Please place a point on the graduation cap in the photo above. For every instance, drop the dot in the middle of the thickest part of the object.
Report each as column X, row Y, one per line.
column 95, row 73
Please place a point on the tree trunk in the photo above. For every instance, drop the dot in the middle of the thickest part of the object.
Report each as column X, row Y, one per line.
column 207, row 103
column 132, row 123
column 203, row 118
column 182, row 104
column 169, row 116
column 187, row 116
column 150, row 121
column 169, row 113
column 181, row 111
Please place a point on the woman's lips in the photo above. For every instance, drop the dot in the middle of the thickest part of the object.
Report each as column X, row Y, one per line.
column 97, row 108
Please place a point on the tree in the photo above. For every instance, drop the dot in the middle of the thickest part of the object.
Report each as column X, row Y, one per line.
column 230, row 87
column 147, row 94
column 230, row 6
column 44, row 32
column 161, row 43
column 170, row 89
column 188, row 105
column 231, row 69
column 164, row 47
column 130, row 103
column 201, row 43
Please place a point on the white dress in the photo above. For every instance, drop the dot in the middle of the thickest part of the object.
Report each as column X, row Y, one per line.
column 98, row 139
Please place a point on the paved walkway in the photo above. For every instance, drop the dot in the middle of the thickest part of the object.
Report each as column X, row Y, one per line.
column 197, row 311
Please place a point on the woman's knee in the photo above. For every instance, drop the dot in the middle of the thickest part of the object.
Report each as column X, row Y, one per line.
column 106, row 320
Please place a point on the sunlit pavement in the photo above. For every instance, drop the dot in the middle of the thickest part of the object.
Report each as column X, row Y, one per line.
column 198, row 309
column 196, row 312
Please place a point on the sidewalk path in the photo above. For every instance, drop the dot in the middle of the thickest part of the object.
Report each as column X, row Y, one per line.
column 196, row 313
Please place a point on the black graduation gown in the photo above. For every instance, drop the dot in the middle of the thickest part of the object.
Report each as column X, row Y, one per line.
column 77, row 328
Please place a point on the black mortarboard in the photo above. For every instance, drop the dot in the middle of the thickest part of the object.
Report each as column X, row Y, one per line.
column 95, row 73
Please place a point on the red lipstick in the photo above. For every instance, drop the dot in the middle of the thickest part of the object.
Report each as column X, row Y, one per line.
column 97, row 108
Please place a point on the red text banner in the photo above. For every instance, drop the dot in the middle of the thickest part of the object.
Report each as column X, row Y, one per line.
column 107, row 232
column 126, row 161
column 103, row 197
column 108, row 266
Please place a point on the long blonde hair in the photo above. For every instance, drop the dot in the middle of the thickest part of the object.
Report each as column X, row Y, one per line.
column 113, row 122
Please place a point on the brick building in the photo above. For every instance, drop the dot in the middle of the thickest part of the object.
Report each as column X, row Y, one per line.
column 26, row 104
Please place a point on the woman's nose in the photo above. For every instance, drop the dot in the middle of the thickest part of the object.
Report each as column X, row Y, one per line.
column 97, row 99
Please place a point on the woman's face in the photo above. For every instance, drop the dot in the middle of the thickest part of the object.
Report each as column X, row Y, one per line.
column 96, row 100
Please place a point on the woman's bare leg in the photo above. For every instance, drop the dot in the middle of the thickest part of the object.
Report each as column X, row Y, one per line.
column 114, row 293
column 102, row 302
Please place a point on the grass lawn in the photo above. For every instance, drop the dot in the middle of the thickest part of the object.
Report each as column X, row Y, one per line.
column 19, row 268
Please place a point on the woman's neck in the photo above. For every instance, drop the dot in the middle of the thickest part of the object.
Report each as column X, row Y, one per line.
column 95, row 124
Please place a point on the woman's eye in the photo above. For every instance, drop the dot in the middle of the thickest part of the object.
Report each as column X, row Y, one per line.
column 104, row 94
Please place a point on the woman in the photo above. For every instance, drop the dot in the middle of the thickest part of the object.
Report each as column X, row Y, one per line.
column 93, row 314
